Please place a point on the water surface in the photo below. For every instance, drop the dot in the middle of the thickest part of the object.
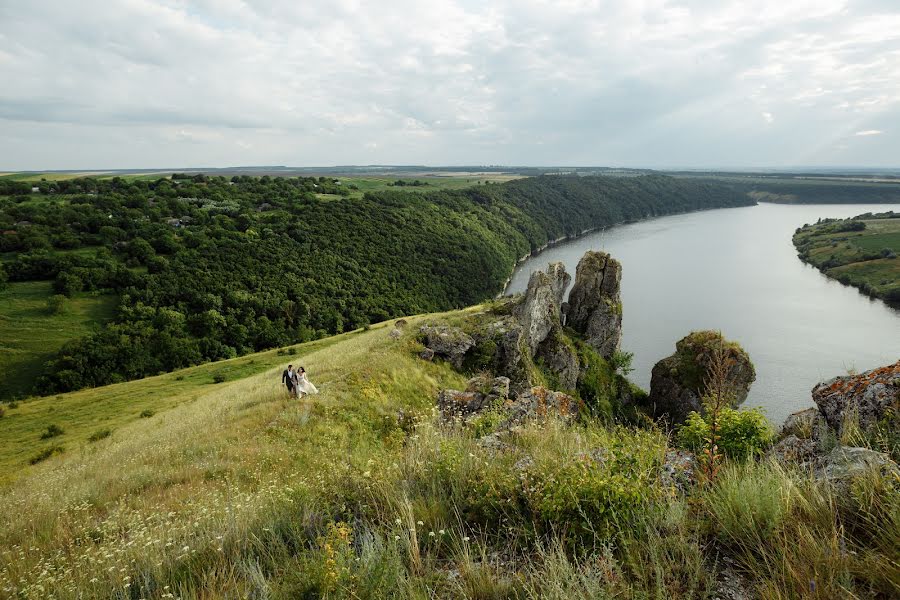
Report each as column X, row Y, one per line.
column 736, row 270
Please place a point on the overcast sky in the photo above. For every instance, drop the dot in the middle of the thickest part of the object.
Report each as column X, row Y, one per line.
column 691, row 83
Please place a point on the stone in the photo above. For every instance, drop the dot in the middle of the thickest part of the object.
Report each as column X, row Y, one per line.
column 801, row 423
column 454, row 404
column 843, row 464
column 595, row 305
column 792, row 449
column 559, row 281
column 497, row 387
column 395, row 334
column 679, row 471
column 678, row 382
column 868, row 397
column 401, row 323
column 427, row 354
column 539, row 312
column 449, row 343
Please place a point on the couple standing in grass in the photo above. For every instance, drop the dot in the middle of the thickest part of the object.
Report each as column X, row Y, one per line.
column 296, row 382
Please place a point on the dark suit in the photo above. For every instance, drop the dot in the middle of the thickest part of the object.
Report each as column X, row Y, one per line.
column 287, row 379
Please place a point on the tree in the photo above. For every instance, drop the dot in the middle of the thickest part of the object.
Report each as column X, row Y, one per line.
column 57, row 304
column 3, row 277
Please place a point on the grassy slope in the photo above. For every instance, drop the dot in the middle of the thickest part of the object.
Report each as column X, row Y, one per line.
column 846, row 256
column 234, row 490
column 29, row 335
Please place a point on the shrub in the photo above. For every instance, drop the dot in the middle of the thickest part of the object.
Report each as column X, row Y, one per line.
column 219, row 378
column 741, row 433
column 57, row 304
column 2, row 412
column 52, row 431
column 888, row 253
column 45, row 454
column 100, row 434
column 147, row 413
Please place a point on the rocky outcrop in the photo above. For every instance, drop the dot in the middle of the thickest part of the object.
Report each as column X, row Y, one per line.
column 867, row 397
column 595, row 306
column 484, row 393
column 793, row 449
column 449, row 343
column 677, row 382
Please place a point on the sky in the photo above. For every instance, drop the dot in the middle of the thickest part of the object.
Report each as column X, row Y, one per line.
column 637, row 83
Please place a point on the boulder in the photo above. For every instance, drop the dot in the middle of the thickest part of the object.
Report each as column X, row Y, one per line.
column 539, row 312
column 801, row 423
column 401, row 323
column 427, row 354
column 497, row 387
column 868, row 397
column 595, row 306
column 454, row 404
column 395, row 334
column 678, row 382
column 844, row 463
column 449, row 343
column 793, row 449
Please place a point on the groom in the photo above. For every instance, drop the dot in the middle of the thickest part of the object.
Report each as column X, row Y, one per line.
column 287, row 378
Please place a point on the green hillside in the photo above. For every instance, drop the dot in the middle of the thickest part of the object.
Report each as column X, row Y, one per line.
column 209, row 268
column 862, row 252
column 233, row 489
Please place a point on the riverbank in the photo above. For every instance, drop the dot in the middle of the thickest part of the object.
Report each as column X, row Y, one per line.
column 861, row 252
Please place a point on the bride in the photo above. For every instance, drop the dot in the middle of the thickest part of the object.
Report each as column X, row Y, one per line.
column 303, row 385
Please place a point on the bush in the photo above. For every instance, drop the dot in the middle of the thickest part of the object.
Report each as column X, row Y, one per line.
column 57, row 304
column 100, row 434
column 147, row 413
column 2, row 412
column 219, row 378
column 741, row 433
column 45, row 454
column 52, row 431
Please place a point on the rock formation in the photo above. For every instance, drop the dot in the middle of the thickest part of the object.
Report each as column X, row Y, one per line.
column 539, row 312
column 867, row 397
column 595, row 307
column 677, row 382
column 449, row 343
column 843, row 464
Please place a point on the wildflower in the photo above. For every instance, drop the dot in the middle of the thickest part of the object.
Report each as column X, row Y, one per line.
column 466, row 538
column 397, row 521
column 396, row 537
column 442, row 532
column 419, row 523
column 367, row 474
column 430, row 534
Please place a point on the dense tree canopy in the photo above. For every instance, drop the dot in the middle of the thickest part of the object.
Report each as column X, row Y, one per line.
column 208, row 268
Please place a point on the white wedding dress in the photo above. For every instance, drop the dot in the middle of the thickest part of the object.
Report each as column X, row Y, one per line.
column 305, row 386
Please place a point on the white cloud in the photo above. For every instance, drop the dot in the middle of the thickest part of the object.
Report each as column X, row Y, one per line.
column 178, row 82
column 867, row 132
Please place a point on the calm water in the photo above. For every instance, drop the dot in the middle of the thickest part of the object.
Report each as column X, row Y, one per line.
column 736, row 270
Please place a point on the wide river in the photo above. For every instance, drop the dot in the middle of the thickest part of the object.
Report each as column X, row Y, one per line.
column 736, row 270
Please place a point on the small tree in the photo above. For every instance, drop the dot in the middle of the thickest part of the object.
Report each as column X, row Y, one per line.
column 3, row 278
column 718, row 395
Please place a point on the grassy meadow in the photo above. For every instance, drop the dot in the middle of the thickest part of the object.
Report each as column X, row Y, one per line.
column 232, row 489
column 30, row 333
column 868, row 259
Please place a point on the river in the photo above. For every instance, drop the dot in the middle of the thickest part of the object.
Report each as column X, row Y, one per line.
column 737, row 271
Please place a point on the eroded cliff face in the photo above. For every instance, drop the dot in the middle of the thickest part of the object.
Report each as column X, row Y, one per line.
column 866, row 398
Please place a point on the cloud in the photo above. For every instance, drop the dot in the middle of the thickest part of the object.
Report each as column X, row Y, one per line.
column 658, row 83
column 866, row 132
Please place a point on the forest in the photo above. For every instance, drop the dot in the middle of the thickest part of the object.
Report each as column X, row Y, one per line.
column 206, row 268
